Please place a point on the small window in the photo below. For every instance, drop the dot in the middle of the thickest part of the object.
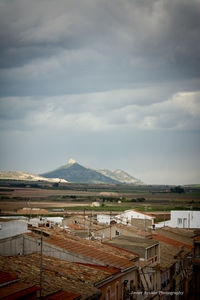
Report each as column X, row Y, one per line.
column 108, row 294
column 180, row 221
column 117, row 291
column 116, row 232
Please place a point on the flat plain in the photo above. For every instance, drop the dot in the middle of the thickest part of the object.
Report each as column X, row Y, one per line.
column 16, row 195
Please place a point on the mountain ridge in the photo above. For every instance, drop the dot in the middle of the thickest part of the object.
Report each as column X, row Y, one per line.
column 78, row 174
column 74, row 172
column 121, row 176
column 18, row 175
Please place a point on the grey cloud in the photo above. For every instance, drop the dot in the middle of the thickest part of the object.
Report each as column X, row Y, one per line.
column 121, row 42
column 101, row 111
column 119, row 77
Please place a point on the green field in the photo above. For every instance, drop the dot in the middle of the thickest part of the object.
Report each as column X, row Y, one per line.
column 78, row 197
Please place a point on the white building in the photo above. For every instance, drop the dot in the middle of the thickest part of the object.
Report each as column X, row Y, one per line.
column 46, row 221
column 11, row 228
column 95, row 204
column 104, row 219
column 182, row 219
column 125, row 218
column 185, row 219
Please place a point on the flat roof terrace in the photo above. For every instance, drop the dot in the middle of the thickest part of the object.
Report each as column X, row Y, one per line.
column 133, row 244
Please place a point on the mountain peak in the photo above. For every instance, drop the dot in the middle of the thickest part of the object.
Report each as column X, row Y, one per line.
column 71, row 161
column 74, row 172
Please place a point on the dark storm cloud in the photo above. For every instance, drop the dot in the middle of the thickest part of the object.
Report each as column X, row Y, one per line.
column 119, row 77
column 85, row 46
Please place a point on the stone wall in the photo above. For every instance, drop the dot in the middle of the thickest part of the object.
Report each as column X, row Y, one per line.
column 141, row 223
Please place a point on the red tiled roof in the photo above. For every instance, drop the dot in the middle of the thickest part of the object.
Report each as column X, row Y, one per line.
column 76, row 227
column 144, row 213
column 62, row 295
column 16, row 290
column 91, row 252
column 58, row 274
column 107, row 269
column 6, row 277
column 109, row 245
column 170, row 241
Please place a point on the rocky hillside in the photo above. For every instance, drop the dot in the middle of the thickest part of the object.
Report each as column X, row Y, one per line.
column 16, row 175
column 121, row 176
column 74, row 172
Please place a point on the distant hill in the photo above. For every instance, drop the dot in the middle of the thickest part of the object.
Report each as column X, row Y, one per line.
column 121, row 176
column 16, row 175
column 74, row 172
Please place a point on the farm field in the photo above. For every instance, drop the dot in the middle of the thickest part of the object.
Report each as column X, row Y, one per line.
column 16, row 195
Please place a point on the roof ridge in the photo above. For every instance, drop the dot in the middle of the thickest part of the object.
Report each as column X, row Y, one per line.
column 144, row 213
column 170, row 241
column 90, row 251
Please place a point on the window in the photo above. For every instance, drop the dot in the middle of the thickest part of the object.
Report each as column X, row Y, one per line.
column 117, row 291
column 108, row 296
column 116, row 232
column 132, row 289
column 156, row 250
column 180, row 221
column 148, row 253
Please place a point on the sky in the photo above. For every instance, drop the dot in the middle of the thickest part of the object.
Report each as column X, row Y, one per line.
column 112, row 84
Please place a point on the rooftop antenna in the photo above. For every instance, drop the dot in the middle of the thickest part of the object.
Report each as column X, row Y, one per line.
column 29, row 207
column 145, row 222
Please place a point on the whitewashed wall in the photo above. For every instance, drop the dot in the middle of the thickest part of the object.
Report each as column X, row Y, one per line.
column 185, row 219
column 103, row 219
column 128, row 214
column 182, row 219
column 12, row 228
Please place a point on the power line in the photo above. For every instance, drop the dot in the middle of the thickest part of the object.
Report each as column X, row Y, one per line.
column 41, row 250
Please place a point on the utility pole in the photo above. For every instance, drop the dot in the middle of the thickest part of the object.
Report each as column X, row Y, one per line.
column 164, row 218
column 84, row 217
column 110, row 227
column 41, row 250
column 145, row 222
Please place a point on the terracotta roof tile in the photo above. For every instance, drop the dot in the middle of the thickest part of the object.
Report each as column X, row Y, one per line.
column 144, row 213
column 170, row 241
column 135, row 231
column 58, row 233
column 57, row 274
column 180, row 234
column 17, row 289
column 76, row 227
column 107, row 269
column 90, row 251
column 7, row 277
column 62, row 295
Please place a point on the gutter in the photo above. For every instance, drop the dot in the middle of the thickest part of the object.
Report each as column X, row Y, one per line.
column 116, row 275
column 9, row 282
column 129, row 268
